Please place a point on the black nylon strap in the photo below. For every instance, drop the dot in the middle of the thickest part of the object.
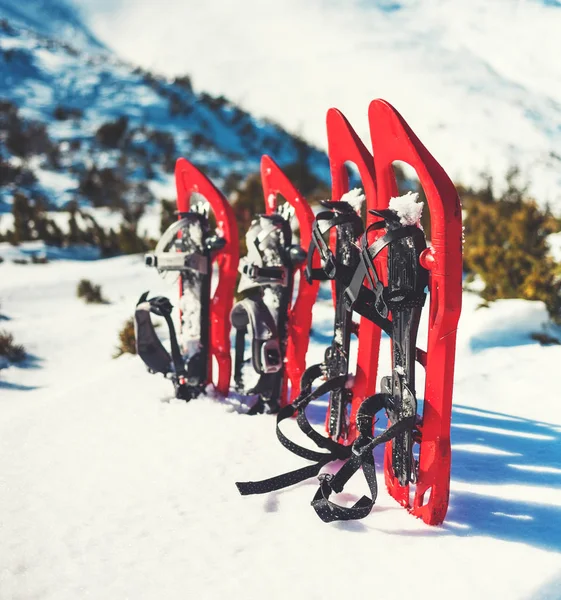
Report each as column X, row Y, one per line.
column 335, row 451
column 241, row 332
column 323, row 223
column 252, row 311
column 175, row 351
column 363, row 299
column 362, row 456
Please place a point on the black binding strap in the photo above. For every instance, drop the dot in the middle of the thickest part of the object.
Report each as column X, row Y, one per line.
column 161, row 306
column 186, row 378
column 342, row 214
column 361, row 456
column 338, row 266
column 373, row 302
column 265, row 351
column 335, row 451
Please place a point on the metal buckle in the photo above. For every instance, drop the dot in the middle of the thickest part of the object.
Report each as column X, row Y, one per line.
column 270, row 356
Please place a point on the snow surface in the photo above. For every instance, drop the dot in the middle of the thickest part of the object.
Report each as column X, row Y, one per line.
column 109, row 490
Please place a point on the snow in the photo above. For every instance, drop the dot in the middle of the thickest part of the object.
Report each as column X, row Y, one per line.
column 355, row 198
column 111, row 490
column 508, row 321
column 407, row 208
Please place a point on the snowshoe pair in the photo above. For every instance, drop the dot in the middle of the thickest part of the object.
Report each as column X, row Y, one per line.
column 382, row 272
column 193, row 249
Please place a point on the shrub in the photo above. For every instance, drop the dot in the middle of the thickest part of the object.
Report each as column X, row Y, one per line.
column 126, row 339
column 18, row 175
column 545, row 339
column 64, row 113
column 184, row 82
column 168, row 214
column 199, row 141
column 103, row 187
column 178, row 106
column 310, row 186
column 112, row 134
column 32, row 223
column 505, row 244
column 39, row 259
column 9, row 350
column 129, row 241
column 247, row 202
column 89, row 292
column 22, row 137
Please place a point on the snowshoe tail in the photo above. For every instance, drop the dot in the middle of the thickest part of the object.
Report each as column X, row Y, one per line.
column 148, row 345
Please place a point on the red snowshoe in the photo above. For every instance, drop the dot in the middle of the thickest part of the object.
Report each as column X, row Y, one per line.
column 280, row 327
column 193, row 250
column 393, row 139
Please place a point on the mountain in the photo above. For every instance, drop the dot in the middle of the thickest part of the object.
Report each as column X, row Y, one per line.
column 55, row 18
column 78, row 123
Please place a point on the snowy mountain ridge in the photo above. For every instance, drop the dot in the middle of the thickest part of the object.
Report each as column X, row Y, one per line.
column 58, row 19
column 78, row 123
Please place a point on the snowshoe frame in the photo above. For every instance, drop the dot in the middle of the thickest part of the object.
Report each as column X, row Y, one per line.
column 393, row 140
column 292, row 327
column 192, row 374
column 189, row 180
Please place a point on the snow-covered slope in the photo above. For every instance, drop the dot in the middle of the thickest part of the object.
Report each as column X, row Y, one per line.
column 108, row 491
column 58, row 19
column 479, row 81
column 71, row 93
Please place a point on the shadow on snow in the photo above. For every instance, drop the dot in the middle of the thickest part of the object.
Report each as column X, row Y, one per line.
column 493, row 452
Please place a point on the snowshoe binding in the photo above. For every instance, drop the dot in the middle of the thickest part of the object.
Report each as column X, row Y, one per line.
column 191, row 249
column 279, row 327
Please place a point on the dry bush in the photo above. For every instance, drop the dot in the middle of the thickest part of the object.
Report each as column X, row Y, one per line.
column 126, row 339
column 112, row 134
column 9, row 350
column 505, row 244
column 90, row 292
